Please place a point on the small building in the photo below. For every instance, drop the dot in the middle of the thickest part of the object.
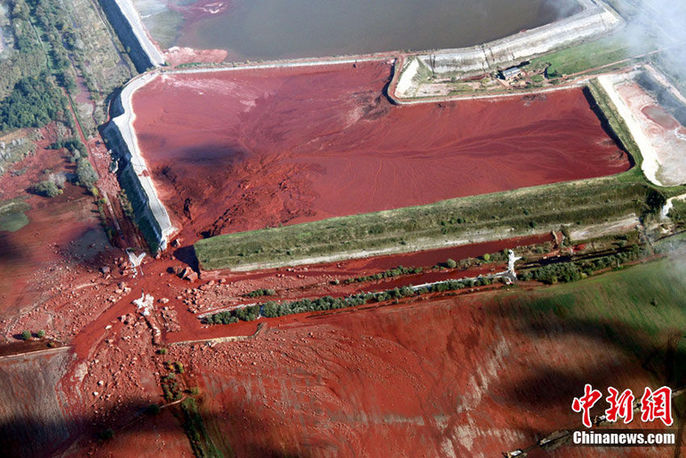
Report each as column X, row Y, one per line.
column 510, row 73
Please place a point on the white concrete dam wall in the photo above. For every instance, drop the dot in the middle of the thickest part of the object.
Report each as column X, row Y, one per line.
column 132, row 153
column 151, row 50
column 595, row 19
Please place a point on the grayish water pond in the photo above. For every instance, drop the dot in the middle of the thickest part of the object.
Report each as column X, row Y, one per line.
column 268, row 29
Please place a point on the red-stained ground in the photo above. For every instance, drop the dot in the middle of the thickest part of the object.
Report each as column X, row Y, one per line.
column 473, row 375
column 461, row 374
column 177, row 55
column 63, row 232
column 433, row 257
column 240, row 150
column 225, row 289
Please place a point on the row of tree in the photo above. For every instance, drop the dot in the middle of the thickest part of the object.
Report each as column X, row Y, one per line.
column 394, row 272
column 261, row 292
column 565, row 272
column 273, row 309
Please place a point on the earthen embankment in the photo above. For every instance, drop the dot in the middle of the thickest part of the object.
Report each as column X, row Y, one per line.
column 132, row 33
column 34, row 419
column 650, row 112
column 134, row 176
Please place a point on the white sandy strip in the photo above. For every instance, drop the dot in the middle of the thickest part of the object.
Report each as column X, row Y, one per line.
column 284, row 64
column 124, row 123
column 651, row 164
column 600, row 230
column 139, row 30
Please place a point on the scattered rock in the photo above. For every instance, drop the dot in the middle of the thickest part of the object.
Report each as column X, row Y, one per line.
column 105, row 269
column 188, row 274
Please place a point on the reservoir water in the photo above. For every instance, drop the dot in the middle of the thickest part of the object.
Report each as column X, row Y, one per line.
column 269, row 29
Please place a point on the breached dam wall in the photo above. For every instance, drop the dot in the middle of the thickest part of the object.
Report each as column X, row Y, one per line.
column 127, row 23
column 596, row 19
column 134, row 176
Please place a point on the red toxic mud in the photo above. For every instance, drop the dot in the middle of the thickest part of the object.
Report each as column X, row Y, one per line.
column 474, row 375
column 59, row 233
column 239, row 150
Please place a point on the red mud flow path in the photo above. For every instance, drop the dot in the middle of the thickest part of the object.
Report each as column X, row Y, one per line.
column 239, row 150
column 466, row 376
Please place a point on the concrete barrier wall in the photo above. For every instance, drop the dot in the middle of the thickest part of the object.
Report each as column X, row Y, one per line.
column 407, row 74
column 151, row 215
column 131, row 31
column 587, row 24
column 595, row 19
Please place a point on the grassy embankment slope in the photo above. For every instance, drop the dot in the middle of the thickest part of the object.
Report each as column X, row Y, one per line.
column 494, row 216
column 607, row 53
column 639, row 309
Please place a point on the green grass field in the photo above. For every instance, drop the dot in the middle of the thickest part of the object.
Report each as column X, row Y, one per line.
column 590, row 55
column 637, row 308
column 12, row 216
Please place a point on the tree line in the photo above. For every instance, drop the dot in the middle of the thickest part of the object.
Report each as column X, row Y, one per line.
column 566, row 272
column 34, row 102
column 273, row 309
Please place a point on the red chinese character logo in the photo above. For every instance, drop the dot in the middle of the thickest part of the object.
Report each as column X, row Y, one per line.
column 657, row 405
column 585, row 403
column 621, row 406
